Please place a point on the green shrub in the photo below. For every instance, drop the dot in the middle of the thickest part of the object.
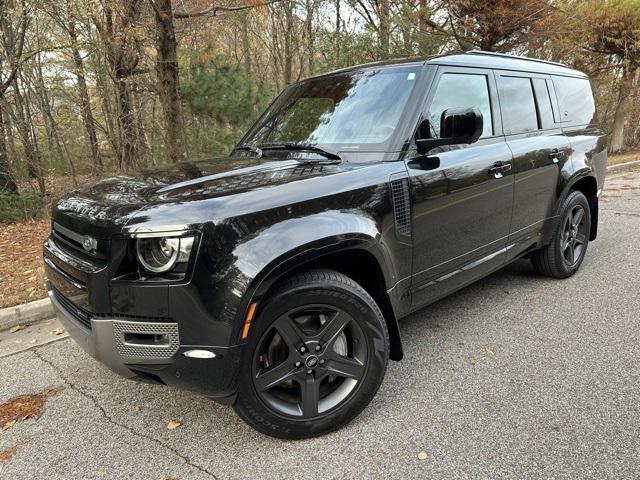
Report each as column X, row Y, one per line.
column 26, row 206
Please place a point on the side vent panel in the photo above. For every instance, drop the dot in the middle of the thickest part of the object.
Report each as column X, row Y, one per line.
column 401, row 206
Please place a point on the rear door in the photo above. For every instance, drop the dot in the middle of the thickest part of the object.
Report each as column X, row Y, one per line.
column 462, row 194
column 532, row 129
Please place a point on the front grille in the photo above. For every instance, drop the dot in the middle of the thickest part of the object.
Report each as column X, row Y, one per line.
column 74, row 243
column 81, row 315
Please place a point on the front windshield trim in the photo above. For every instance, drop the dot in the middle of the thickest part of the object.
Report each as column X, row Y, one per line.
column 282, row 103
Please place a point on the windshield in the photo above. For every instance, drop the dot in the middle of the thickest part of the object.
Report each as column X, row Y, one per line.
column 354, row 110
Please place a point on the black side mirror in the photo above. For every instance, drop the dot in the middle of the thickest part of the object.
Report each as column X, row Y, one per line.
column 457, row 126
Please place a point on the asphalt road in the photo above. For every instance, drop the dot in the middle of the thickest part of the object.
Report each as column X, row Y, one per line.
column 517, row 376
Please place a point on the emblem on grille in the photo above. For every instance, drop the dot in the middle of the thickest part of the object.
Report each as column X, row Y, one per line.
column 88, row 243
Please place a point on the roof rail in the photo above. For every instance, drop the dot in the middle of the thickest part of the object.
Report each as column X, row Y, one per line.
column 517, row 57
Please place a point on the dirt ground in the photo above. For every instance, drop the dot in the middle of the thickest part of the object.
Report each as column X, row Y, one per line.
column 21, row 270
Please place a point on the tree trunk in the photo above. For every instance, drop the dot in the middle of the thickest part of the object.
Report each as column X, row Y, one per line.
column 337, row 34
column 624, row 92
column 53, row 139
column 246, row 45
column 423, row 39
column 384, row 29
column 118, row 31
column 8, row 127
column 288, row 42
column 127, row 126
column 34, row 164
column 85, row 104
column 310, row 36
column 7, row 183
column 168, row 82
column 144, row 150
column 106, row 96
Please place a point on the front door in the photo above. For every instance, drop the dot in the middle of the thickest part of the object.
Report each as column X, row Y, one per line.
column 462, row 194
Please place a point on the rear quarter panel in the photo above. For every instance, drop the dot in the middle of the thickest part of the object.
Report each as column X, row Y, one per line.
column 588, row 153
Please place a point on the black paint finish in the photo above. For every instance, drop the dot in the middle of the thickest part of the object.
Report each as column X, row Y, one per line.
column 258, row 219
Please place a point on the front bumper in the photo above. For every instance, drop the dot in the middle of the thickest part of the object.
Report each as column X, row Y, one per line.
column 149, row 351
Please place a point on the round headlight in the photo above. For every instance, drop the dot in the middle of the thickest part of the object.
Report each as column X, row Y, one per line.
column 158, row 254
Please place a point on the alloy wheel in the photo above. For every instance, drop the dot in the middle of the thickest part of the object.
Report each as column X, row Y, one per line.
column 309, row 361
column 574, row 235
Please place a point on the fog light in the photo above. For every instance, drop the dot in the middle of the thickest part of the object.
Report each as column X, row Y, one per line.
column 199, row 354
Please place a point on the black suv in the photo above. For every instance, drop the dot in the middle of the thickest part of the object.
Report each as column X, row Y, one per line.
column 274, row 279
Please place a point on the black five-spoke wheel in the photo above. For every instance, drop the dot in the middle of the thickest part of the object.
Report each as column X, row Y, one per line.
column 574, row 235
column 316, row 356
column 562, row 257
column 310, row 360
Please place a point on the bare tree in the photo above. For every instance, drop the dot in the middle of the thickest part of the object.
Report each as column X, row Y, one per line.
column 14, row 21
column 117, row 24
column 168, row 80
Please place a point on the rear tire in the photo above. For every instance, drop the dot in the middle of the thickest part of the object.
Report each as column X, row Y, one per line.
column 564, row 255
column 316, row 356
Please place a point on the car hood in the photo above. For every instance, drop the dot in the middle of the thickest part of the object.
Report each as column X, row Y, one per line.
column 105, row 207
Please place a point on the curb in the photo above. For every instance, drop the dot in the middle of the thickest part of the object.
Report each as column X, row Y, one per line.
column 620, row 167
column 31, row 312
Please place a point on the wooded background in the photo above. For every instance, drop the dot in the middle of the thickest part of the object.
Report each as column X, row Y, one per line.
column 99, row 86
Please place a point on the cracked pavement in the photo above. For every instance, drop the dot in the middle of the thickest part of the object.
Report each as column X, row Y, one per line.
column 516, row 376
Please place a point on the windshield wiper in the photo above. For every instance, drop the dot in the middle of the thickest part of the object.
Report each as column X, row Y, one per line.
column 251, row 149
column 300, row 147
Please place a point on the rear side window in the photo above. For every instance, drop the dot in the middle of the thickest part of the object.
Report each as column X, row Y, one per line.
column 543, row 100
column 575, row 100
column 463, row 90
column 518, row 105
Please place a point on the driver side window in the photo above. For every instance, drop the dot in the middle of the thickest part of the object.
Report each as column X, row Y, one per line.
column 460, row 90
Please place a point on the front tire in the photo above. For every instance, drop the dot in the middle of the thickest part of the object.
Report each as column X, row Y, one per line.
column 317, row 355
column 564, row 255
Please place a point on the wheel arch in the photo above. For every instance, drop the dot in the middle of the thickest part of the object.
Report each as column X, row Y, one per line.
column 588, row 185
column 360, row 258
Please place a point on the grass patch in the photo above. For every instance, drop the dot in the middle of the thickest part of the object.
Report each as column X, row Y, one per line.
column 617, row 158
column 26, row 206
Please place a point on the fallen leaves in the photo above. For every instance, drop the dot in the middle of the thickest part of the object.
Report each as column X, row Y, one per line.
column 17, row 328
column 489, row 351
column 173, row 424
column 21, row 267
column 7, row 454
column 57, row 331
column 422, row 455
column 7, row 425
column 22, row 407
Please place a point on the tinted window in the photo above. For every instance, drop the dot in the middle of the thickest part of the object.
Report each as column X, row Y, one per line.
column 543, row 99
column 575, row 99
column 359, row 109
column 460, row 90
column 518, row 105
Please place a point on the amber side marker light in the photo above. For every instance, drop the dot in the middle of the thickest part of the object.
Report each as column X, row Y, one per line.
column 251, row 312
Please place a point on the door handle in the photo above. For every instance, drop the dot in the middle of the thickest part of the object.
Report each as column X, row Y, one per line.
column 498, row 169
column 556, row 155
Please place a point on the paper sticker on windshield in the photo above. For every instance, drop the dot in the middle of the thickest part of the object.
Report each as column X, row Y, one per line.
column 411, row 76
